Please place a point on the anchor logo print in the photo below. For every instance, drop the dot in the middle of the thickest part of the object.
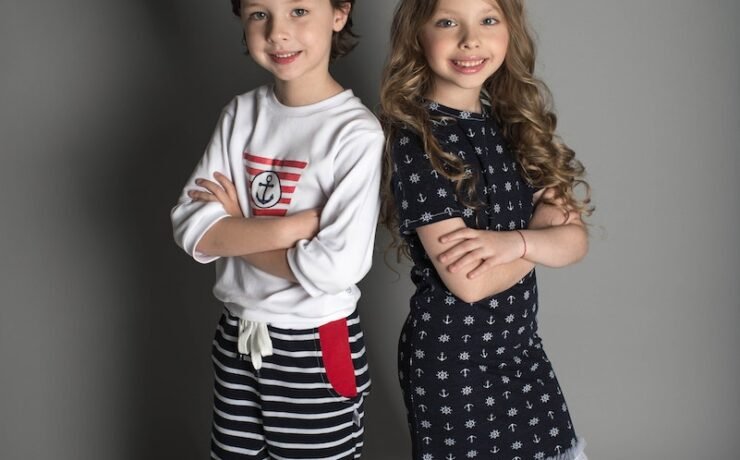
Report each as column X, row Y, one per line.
column 272, row 183
column 266, row 190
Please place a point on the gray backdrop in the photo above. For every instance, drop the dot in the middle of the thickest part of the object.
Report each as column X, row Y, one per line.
column 105, row 326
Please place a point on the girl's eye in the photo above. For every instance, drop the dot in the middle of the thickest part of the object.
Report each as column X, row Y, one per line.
column 298, row 12
column 490, row 22
column 258, row 16
column 445, row 23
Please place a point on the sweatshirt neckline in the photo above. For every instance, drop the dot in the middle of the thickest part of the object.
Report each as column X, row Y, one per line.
column 306, row 110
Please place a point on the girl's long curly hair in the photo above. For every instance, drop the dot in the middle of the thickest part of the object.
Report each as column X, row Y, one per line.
column 520, row 102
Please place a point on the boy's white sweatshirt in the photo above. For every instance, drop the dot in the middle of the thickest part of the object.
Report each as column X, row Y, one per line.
column 284, row 160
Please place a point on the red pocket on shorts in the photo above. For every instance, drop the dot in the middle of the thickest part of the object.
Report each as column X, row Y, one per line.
column 340, row 371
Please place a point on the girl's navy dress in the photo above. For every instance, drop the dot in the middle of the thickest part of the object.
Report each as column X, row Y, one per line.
column 476, row 382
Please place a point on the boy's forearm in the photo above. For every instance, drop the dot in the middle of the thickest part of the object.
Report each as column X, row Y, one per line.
column 273, row 262
column 237, row 236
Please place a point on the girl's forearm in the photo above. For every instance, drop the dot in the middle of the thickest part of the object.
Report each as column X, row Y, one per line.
column 556, row 246
column 500, row 278
column 490, row 282
column 552, row 246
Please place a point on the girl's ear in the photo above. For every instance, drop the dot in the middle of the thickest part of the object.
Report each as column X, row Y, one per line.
column 341, row 15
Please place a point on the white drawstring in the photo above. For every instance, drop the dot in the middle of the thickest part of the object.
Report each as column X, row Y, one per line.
column 254, row 340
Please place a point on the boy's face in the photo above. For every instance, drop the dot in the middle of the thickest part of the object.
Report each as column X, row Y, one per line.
column 291, row 38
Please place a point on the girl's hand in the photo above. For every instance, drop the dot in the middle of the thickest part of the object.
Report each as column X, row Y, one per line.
column 549, row 215
column 223, row 191
column 486, row 248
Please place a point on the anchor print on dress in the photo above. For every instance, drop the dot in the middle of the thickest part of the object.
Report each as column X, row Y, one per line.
column 482, row 386
column 272, row 183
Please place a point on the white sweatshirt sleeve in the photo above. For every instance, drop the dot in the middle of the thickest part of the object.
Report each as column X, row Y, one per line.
column 192, row 219
column 340, row 255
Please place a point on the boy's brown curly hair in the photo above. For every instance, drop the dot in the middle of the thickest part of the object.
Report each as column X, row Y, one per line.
column 343, row 41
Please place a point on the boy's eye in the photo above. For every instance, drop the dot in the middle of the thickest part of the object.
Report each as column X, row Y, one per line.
column 298, row 12
column 258, row 16
column 490, row 22
column 446, row 23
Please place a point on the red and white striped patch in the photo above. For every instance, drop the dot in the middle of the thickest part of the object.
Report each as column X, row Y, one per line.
column 271, row 183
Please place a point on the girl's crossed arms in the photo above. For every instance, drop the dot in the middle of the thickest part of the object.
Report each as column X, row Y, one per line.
column 475, row 264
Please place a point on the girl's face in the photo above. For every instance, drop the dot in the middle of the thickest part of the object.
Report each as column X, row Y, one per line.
column 464, row 42
column 292, row 39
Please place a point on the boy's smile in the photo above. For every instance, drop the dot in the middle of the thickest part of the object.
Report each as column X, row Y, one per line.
column 284, row 58
column 292, row 39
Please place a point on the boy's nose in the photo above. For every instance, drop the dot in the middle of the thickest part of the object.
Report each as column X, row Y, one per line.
column 277, row 31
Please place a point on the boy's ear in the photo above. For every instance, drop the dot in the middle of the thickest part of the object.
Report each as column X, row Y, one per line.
column 244, row 42
column 340, row 16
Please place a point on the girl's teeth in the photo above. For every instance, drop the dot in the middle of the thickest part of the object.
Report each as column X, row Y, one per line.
column 469, row 63
column 286, row 55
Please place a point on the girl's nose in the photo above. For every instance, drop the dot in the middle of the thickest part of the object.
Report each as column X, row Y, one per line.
column 469, row 39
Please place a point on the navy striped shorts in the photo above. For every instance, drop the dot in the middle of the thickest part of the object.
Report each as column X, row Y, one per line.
column 305, row 402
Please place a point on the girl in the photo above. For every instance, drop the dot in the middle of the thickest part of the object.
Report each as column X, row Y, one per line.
column 481, row 190
column 289, row 357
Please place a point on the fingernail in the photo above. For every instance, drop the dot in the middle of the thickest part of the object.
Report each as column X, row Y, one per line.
column 198, row 181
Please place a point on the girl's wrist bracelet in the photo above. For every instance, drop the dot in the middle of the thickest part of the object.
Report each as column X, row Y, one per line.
column 524, row 240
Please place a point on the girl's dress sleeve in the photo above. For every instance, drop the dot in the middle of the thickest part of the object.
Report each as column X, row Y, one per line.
column 423, row 196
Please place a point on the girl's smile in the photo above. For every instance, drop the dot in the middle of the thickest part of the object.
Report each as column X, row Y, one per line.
column 464, row 43
column 469, row 66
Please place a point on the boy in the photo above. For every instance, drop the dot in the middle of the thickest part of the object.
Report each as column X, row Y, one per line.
column 290, row 221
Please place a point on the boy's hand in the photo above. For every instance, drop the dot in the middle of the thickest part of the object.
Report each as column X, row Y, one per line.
column 223, row 191
column 484, row 248
column 305, row 223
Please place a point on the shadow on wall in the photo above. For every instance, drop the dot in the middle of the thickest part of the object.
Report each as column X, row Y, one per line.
column 187, row 71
